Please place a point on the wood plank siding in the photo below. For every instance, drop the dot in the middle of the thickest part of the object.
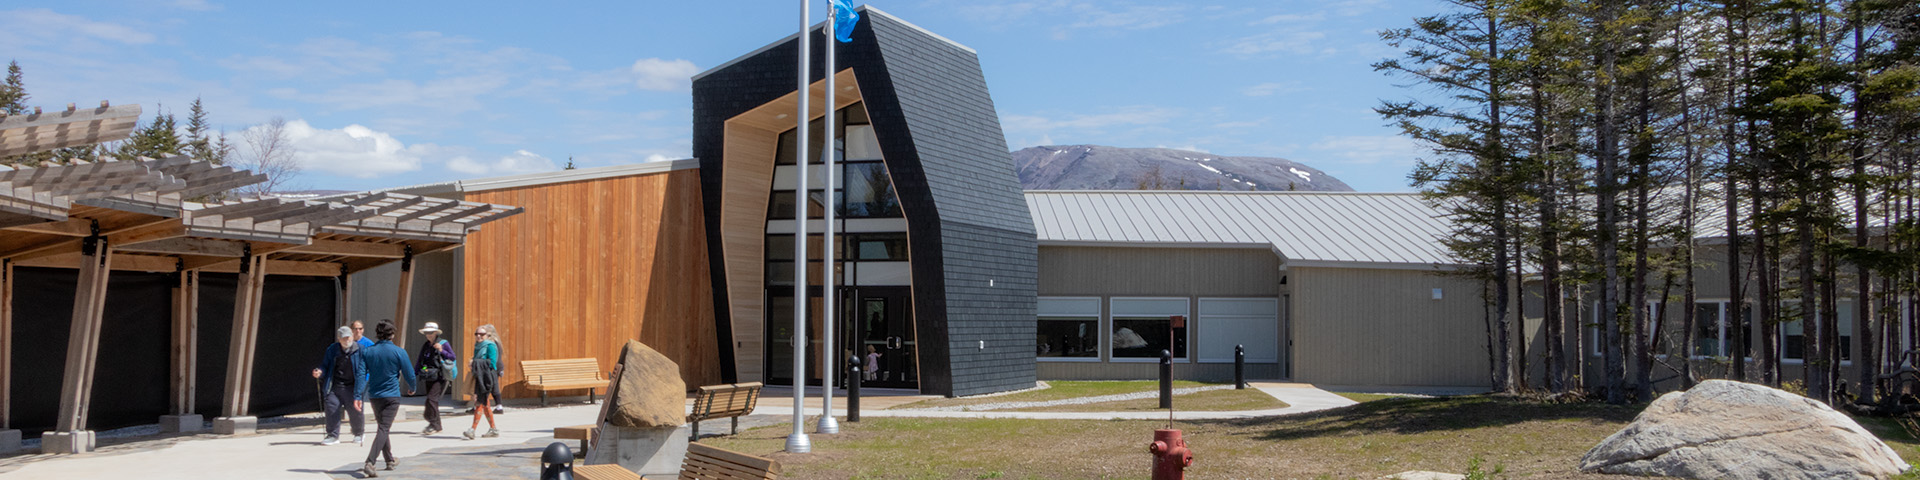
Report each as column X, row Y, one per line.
column 1358, row 326
column 590, row 265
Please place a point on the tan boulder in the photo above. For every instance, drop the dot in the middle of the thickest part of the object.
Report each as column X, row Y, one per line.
column 1726, row 429
column 651, row 393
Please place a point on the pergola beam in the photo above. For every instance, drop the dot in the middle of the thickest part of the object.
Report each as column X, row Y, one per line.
column 351, row 249
column 188, row 246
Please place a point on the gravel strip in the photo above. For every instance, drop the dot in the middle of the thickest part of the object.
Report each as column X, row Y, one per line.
column 981, row 407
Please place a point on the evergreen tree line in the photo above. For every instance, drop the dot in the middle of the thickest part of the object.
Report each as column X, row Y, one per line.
column 1607, row 156
column 158, row 138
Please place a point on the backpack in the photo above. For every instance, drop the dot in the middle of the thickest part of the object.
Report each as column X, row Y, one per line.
column 449, row 368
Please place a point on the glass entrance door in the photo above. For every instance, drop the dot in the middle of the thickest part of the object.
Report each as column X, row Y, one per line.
column 882, row 325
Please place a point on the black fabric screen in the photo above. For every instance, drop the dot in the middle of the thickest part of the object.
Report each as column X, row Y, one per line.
column 130, row 375
column 297, row 319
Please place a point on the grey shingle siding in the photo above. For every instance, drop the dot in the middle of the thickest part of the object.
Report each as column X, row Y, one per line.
column 974, row 249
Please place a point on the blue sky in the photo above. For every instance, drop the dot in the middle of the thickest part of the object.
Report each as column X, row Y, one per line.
column 397, row 93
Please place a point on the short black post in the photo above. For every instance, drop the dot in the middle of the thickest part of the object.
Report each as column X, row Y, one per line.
column 1239, row 367
column 853, row 388
column 1166, row 379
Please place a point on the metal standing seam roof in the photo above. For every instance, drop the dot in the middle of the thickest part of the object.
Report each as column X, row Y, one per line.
column 1376, row 228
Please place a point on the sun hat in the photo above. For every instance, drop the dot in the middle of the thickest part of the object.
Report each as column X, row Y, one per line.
column 343, row 332
column 431, row 328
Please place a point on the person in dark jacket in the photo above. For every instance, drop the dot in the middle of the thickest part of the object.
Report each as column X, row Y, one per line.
column 346, row 387
column 387, row 365
column 435, row 354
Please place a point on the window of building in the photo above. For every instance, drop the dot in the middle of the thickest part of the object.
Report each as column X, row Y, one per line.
column 1142, row 327
column 879, row 246
column 1068, row 329
column 1793, row 338
column 868, row 191
column 1227, row 322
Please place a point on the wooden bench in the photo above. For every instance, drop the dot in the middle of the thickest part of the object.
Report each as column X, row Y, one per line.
column 604, row 472
column 563, row 374
column 583, row 433
column 723, row 401
column 706, row 462
column 703, row 463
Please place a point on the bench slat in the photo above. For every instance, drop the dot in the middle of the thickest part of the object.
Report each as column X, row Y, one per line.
column 707, row 462
column 604, row 472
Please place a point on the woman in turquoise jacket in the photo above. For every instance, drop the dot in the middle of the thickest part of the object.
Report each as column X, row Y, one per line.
column 486, row 378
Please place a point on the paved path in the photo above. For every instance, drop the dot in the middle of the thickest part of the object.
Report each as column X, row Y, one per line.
column 296, row 453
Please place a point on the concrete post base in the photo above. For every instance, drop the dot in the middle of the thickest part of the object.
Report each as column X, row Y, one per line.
column 188, row 423
column 67, row 442
column 646, row 451
column 235, row 425
column 9, row 441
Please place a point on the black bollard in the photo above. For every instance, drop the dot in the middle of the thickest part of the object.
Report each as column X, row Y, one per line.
column 853, row 388
column 1239, row 367
column 1166, row 379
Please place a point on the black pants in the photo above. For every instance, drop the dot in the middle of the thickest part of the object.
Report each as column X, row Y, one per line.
column 384, row 409
column 434, row 391
column 339, row 401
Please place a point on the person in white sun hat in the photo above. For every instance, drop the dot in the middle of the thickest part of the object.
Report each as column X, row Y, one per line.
column 437, row 370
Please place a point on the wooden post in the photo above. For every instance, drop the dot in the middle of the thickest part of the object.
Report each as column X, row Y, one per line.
column 406, row 299
column 6, row 344
column 184, row 351
column 83, row 345
column 240, row 352
column 346, row 299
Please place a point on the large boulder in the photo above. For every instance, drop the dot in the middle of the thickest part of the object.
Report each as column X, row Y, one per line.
column 651, row 393
column 1726, row 429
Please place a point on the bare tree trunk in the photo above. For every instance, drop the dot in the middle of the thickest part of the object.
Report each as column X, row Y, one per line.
column 1864, row 306
column 1606, row 189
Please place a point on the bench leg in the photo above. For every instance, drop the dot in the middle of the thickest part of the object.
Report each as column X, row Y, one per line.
column 736, row 426
column 590, row 398
column 696, row 432
column 543, row 399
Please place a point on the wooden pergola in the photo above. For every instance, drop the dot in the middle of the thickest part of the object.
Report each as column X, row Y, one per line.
column 154, row 215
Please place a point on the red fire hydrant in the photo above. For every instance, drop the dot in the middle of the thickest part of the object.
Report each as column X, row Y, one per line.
column 1170, row 455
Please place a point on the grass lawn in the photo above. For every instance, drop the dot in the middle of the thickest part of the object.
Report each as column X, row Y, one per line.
column 1060, row 390
column 1365, row 397
column 1228, row 400
column 1362, row 441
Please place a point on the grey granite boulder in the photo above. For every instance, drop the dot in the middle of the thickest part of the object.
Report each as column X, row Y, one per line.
column 1726, row 429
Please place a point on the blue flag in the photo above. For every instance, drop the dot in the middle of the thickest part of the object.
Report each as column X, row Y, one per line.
column 844, row 19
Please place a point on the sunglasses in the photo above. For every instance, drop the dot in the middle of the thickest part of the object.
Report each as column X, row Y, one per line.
column 479, row 334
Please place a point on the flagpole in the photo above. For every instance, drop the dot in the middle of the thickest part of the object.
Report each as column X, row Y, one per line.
column 797, row 441
column 827, row 424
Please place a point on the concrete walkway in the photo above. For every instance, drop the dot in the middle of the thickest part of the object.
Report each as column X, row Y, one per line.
column 296, row 453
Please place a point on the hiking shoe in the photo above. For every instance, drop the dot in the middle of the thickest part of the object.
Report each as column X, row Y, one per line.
column 360, row 440
column 468, row 434
column 492, row 432
column 430, row 431
column 330, row 440
column 367, row 470
column 499, row 409
column 391, row 464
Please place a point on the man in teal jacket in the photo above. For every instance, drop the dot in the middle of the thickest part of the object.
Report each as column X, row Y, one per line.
column 386, row 365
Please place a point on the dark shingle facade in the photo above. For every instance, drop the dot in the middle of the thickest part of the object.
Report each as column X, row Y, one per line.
column 974, row 252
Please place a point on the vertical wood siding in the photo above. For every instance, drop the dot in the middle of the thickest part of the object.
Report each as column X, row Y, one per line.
column 590, row 265
column 1382, row 327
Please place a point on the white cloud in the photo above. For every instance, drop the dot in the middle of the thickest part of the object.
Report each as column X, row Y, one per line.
column 1270, row 88
column 1125, row 117
column 1286, row 41
column 315, row 57
column 520, row 161
column 663, row 75
column 1291, row 18
column 352, row 151
column 196, row 5
column 1369, row 149
column 48, row 25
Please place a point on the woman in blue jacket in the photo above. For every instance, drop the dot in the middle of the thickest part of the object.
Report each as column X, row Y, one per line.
column 486, row 378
